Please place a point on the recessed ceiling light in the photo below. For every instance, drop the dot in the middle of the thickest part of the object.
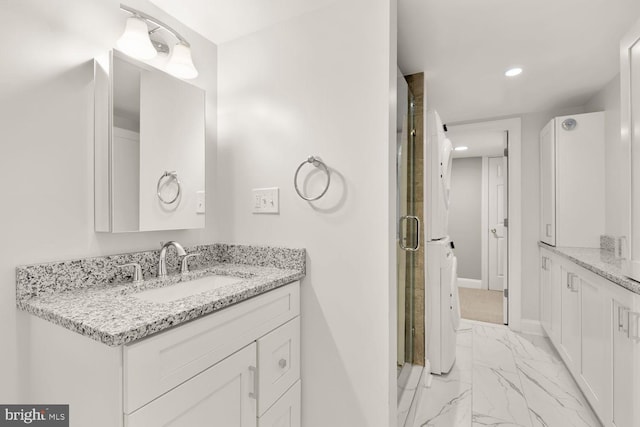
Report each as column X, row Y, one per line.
column 512, row 72
column 461, row 148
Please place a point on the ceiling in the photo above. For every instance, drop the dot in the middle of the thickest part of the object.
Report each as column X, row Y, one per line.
column 567, row 48
column 479, row 142
column 223, row 20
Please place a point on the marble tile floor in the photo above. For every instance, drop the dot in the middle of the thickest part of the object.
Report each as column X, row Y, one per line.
column 505, row 379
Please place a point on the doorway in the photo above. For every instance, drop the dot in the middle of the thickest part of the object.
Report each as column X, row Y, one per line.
column 478, row 221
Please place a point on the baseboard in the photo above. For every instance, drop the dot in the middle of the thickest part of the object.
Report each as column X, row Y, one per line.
column 469, row 283
column 531, row 326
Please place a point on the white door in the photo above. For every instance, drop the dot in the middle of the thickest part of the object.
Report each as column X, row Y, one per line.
column 222, row 395
column 497, row 230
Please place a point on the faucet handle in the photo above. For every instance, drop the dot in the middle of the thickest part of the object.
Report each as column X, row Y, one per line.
column 137, row 271
column 185, row 266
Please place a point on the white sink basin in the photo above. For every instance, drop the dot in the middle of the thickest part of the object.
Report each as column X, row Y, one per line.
column 187, row 289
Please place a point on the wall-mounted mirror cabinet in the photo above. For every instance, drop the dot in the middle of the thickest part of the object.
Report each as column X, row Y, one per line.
column 630, row 115
column 149, row 148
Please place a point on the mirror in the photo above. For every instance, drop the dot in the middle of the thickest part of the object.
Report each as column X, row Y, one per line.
column 149, row 148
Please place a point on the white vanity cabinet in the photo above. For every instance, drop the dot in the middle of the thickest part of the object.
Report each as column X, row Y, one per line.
column 572, row 181
column 598, row 336
column 237, row 367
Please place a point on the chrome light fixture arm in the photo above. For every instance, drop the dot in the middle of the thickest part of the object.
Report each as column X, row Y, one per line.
column 157, row 22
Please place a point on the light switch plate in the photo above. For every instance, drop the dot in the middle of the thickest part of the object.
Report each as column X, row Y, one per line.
column 200, row 204
column 266, row 200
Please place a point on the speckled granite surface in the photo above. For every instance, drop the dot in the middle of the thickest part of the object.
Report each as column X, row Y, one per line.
column 607, row 243
column 600, row 261
column 94, row 298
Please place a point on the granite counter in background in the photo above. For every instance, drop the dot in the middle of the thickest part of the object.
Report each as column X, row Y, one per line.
column 602, row 262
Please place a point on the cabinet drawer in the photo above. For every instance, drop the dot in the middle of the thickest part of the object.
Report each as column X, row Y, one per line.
column 285, row 412
column 278, row 363
column 221, row 395
column 161, row 362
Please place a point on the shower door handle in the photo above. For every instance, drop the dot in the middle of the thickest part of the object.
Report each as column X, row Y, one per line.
column 416, row 221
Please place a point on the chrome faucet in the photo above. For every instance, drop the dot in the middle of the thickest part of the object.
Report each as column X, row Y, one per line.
column 162, row 264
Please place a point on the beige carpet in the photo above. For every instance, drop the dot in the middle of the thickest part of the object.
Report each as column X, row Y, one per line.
column 478, row 304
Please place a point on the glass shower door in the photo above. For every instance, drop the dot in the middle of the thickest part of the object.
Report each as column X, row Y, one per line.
column 408, row 232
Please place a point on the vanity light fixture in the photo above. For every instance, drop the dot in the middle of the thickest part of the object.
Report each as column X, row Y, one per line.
column 136, row 42
column 512, row 72
column 180, row 62
column 461, row 148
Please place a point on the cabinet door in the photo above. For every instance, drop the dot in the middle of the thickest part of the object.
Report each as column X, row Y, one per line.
column 545, row 293
column 548, row 184
column 570, row 323
column 595, row 339
column 278, row 363
column 222, row 396
column 555, row 286
column 624, row 369
column 285, row 412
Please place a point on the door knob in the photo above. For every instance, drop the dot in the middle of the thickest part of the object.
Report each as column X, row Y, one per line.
column 493, row 230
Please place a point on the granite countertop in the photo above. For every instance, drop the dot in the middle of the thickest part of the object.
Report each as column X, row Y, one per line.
column 600, row 261
column 111, row 313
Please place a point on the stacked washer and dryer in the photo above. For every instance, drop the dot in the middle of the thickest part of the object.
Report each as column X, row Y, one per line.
column 443, row 307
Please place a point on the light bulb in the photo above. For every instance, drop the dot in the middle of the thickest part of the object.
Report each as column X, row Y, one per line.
column 180, row 63
column 512, row 72
column 135, row 40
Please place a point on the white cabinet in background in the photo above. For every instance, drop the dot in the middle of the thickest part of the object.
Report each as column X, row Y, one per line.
column 545, row 291
column 625, row 330
column 548, row 184
column 584, row 336
column 572, row 181
column 570, row 316
column 598, row 337
column 550, row 293
column 594, row 337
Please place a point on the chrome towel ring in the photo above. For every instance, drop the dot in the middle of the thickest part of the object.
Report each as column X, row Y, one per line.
column 319, row 164
column 173, row 175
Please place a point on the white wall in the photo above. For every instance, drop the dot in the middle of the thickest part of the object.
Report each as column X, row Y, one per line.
column 465, row 215
column 46, row 162
column 616, row 159
column 320, row 84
